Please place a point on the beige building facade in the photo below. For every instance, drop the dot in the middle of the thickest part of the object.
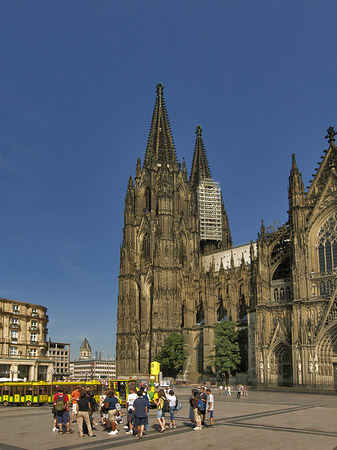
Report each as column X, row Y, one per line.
column 280, row 289
column 23, row 346
column 60, row 353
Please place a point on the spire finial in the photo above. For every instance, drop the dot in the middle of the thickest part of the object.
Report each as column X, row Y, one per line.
column 293, row 165
column 198, row 130
column 159, row 90
column 331, row 134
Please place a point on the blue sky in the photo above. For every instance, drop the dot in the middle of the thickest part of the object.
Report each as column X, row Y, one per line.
column 77, row 90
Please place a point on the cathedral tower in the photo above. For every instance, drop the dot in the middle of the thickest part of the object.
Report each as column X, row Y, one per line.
column 160, row 260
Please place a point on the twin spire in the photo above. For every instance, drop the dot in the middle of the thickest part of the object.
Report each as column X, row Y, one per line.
column 160, row 147
column 200, row 168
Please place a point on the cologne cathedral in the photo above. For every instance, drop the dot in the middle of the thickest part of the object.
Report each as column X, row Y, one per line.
column 180, row 272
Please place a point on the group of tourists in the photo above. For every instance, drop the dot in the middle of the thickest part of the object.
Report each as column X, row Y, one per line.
column 201, row 401
column 137, row 406
column 83, row 408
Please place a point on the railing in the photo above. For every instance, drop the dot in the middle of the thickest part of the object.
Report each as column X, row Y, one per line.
column 28, row 357
column 281, row 291
column 323, row 284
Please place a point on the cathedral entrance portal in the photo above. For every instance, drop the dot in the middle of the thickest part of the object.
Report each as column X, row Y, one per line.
column 284, row 366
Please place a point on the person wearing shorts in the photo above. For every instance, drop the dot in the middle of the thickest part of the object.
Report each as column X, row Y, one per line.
column 160, row 413
column 140, row 413
column 110, row 403
column 62, row 417
column 75, row 395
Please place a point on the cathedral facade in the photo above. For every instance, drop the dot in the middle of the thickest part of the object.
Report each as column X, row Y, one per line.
column 180, row 272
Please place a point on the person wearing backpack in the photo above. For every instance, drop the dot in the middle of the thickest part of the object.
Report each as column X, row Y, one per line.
column 160, row 412
column 172, row 399
column 61, row 405
column 202, row 405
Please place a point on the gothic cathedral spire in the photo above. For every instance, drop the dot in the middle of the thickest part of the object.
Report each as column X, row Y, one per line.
column 200, row 168
column 160, row 147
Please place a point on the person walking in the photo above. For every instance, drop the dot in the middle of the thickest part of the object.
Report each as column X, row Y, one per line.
column 210, row 407
column 82, row 411
column 160, row 413
column 140, row 412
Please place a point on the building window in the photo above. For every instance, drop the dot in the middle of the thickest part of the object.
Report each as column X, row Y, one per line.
column 146, row 247
column 13, row 351
column 33, row 338
column 33, row 352
column 34, row 312
column 327, row 245
column 16, row 309
column 14, row 336
column 34, row 325
column 15, row 323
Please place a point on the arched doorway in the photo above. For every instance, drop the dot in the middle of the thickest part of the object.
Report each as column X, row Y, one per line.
column 326, row 368
column 284, row 365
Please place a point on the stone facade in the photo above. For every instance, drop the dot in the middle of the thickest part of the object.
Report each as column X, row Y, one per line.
column 23, row 346
column 280, row 289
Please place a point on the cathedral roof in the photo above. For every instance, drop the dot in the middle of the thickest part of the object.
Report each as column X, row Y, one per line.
column 160, row 147
column 85, row 345
column 200, row 168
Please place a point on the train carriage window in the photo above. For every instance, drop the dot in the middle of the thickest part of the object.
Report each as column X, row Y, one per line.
column 5, row 390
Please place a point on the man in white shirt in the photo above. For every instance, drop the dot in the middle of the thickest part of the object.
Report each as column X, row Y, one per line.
column 210, row 407
column 129, row 405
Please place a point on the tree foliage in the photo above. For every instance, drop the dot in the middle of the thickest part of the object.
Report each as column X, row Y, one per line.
column 172, row 356
column 226, row 357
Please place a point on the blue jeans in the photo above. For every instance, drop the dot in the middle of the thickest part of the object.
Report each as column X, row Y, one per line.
column 172, row 411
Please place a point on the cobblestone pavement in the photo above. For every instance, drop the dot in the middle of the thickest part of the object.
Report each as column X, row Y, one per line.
column 263, row 420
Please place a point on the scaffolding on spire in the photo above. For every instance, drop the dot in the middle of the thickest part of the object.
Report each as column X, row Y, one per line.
column 209, row 203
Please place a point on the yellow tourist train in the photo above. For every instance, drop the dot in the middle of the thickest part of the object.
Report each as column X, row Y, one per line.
column 41, row 392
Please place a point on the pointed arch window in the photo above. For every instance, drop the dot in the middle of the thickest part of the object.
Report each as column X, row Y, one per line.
column 327, row 245
column 182, row 252
column 200, row 316
column 147, row 200
column 146, row 247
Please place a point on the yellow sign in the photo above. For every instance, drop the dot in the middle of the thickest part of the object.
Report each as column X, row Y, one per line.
column 155, row 368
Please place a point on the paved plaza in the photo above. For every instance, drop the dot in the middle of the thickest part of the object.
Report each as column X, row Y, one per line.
column 263, row 420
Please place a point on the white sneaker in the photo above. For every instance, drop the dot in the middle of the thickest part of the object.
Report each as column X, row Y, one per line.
column 126, row 427
column 54, row 429
column 113, row 432
column 196, row 428
column 129, row 432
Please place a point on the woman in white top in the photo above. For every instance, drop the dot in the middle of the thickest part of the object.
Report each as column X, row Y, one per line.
column 172, row 401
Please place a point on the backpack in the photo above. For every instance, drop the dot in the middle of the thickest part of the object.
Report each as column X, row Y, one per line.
column 166, row 406
column 201, row 405
column 93, row 404
column 178, row 405
column 60, row 404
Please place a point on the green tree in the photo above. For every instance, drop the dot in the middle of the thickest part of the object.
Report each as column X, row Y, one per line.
column 172, row 356
column 226, row 357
